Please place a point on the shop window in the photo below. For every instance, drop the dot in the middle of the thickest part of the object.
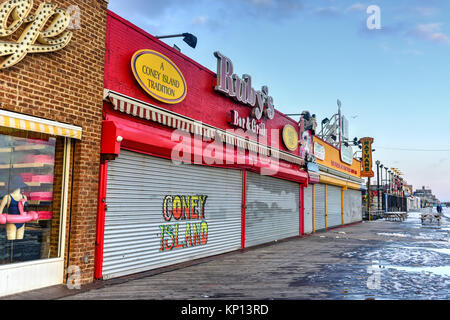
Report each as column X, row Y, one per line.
column 31, row 174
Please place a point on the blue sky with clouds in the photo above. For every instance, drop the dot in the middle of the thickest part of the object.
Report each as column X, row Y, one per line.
column 393, row 82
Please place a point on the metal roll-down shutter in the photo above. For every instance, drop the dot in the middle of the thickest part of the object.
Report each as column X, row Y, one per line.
column 353, row 206
column 159, row 213
column 334, row 206
column 273, row 209
column 319, row 205
column 308, row 226
column 347, row 207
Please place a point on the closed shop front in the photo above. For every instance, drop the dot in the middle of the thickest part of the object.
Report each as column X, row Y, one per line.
column 319, row 207
column 159, row 213
column 51, row 101
column 273, row 209
column 334, row 206
column 308, row 214
column 340, row 177
column 187, row 170
column 34, row 177
column 352, row 206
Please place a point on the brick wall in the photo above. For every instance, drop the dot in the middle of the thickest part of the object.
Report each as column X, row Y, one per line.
column 67, row 86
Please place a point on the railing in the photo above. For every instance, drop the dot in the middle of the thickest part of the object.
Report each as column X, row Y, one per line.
column 374, row 214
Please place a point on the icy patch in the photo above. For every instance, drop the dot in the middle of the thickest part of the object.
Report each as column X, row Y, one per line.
column 401, row 235
column 404, row 256
column 441, row 271
column 423, row 236
column 439, row 250
column 350, row 281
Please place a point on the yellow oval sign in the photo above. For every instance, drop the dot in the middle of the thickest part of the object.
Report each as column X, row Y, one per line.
column 290, row 137
column 159, row 76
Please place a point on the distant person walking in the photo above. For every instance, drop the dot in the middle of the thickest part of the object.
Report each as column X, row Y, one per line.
column 439, row 208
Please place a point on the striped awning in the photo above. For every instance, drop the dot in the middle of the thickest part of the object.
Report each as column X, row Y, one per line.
column 164, row 117
column 28, row 123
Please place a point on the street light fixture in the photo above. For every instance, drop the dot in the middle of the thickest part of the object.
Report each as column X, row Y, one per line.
column 189, row 38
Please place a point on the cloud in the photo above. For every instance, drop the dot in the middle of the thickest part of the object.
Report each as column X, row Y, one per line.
column 432, row 32
column 395, row 29
column 330, row 12
column 203, row 21
column 261, row 2
column 198, row 21
column 425, row 11
column 148, row 8
column 412, row 52
column 357, row 7
column 273, row 9
column 150, row 15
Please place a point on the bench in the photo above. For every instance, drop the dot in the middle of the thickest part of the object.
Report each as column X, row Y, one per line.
column 395, row 216
column 430, row 216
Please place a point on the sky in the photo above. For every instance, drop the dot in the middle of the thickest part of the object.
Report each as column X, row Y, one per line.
column 392, row 78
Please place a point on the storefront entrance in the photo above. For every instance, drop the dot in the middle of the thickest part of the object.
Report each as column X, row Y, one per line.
column 34, row 182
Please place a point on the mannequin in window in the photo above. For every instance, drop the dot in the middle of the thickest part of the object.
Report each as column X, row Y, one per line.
column 14, row 203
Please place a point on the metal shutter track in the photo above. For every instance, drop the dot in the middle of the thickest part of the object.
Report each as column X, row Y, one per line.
column 137, row 185
column 319, row 204
column 273, row 209
column 334, row 206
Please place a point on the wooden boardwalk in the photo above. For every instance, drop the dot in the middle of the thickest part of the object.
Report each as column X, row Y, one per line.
column 284, row 270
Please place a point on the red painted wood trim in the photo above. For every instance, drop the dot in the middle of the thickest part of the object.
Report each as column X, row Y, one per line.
column 98, row 265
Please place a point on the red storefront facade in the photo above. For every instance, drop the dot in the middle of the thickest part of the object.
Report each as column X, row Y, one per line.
column 242, row 187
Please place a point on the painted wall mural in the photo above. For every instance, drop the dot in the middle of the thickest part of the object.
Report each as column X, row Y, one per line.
column 191, row 228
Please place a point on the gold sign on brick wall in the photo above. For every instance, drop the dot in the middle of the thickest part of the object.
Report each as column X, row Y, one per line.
column 45, row 30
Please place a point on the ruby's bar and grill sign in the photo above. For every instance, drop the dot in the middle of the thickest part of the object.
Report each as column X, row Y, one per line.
column 366, row 170
column 241, row 90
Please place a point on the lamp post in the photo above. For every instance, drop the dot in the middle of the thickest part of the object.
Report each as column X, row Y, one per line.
column 386, row 178
column 396, row 184
column 387, row 190
column 392, row 182
column 378, row 182
column 397, row 177
column 382, row 186
column 389, row 181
